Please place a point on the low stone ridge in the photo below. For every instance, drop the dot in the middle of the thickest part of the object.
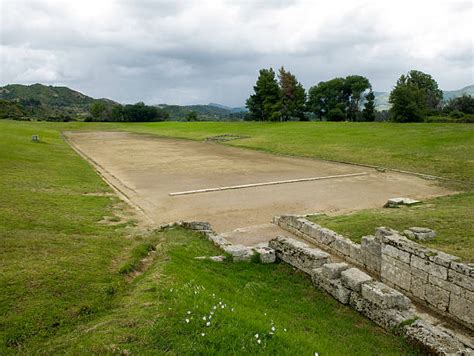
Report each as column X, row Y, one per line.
column 397, row 202
column 237, row 252
column 436, row 279
column 298, row 254
column 420, row 233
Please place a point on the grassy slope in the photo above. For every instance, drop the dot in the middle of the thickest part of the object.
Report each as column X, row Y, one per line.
column 151, row 316
column 62, row 290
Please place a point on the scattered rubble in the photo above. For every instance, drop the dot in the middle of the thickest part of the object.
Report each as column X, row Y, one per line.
column 397, row 202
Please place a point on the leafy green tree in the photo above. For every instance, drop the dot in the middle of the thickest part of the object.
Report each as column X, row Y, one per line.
column 354, row 88
column 415, row 95
column 98, row 110
column 265, row 104
column 369, row 107
column 327, row 96
column 293, row 96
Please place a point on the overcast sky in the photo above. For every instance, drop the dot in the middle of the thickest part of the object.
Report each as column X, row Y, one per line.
column 188, row 52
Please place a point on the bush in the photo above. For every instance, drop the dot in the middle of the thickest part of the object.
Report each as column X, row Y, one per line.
column 456, row 114
column 336, row 115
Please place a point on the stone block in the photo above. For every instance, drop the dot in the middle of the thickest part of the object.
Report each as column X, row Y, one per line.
column 332, row 286
column 397, row 202
column 373, row 262
column 239, row 252
column 418, row 287
column 420, row 233
column 341, row 245
column 402, row 243
column 444, row 284
column 441, row 258
column 197, row 225
column 299, row 254
column 386, row 318
column 266, row 254
column 353, row 278
column 397, row 254
column 461, row 280
column 325, row 236
column 429, row 267
column 435, row 340
column 437, row 296
column 463, row 268
column 384, row 296
column 462, row 308
column 355, row 252
column 395, row 272
column 333, row 270
column 371, row 245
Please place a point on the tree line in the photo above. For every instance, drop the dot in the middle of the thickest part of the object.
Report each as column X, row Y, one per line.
column 139, row 112
column 281, row 98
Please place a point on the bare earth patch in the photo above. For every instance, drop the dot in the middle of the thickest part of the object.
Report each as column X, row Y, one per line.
column 146, row 169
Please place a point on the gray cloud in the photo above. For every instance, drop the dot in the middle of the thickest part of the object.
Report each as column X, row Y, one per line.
column 200, row 51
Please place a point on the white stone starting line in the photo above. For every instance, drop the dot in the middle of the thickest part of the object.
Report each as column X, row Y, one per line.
column 242, row 186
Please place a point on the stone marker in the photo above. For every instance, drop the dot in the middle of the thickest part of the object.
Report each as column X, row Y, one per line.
column 420, row 233
column 396, row 202
column 35, row 138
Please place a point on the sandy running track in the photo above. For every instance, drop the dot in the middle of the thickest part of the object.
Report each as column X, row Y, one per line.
column 147, row 168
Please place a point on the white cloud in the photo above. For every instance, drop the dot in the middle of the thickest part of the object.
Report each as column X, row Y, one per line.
column 201, row 51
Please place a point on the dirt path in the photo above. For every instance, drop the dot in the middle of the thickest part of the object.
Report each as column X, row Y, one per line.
column 147, row 168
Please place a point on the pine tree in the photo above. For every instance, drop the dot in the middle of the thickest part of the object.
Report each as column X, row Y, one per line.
column 265, row 104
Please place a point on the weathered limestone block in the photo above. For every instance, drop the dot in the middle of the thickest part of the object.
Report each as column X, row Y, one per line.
column 462, row 306
column 397, row 254
column 373, row 263
column 266, row 254
column 197, row 225
column 384, row 296
column 402, row 243
column 355, row 253
column 382, row 231
column 371, row 244
column 325, row 236
column 239, row 252
column 435, row 340
column 437, row 296
column 446, row 285
column 441, row 258
column 353, row 278
column 218, row 240
column 429, row 267
column 342, row 245
column 395, row 272
column 386, row 318
column 466, row 269
column 420, row 233
column 418, row 287
column 332, row 286
column 396, row 202
column 298, row 254
column 461, row 280
column 333, row 270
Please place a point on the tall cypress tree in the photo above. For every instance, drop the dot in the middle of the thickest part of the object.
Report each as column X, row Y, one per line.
column 293, row 96
column 265, row 104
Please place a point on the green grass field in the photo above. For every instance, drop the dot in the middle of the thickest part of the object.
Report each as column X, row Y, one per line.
column 64, row 281
column 65, row 288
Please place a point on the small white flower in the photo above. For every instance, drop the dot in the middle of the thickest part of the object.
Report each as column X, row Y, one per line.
column 212, row 312
column 256, row 336
column 213, row 295
column 316, row 354
column 273, row 328
column 210, row 316
column 259, row 341
column 222, row 306
column 204, row 318
column 232, row 309
column 208, row 323
column 265, row 314
column 202, row 334
column 187, row 320
column 171, row 289
column 284, row 330
column 189, row 312
column 220, row 303
column 214, row 307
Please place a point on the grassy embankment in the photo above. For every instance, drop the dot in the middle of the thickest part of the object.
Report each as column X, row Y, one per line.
column 63, row 288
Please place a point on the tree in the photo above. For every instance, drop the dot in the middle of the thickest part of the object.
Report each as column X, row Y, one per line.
column 265, row 104
column 98, row 110
column 327, row 96
column 464, row 104
column 354, row 88
column 414, row 96
column 369, row 107
column 293, row 96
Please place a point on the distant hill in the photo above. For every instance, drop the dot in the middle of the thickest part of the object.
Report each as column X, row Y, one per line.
column 212, row 111
column 42, row 101
column 381, row 98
